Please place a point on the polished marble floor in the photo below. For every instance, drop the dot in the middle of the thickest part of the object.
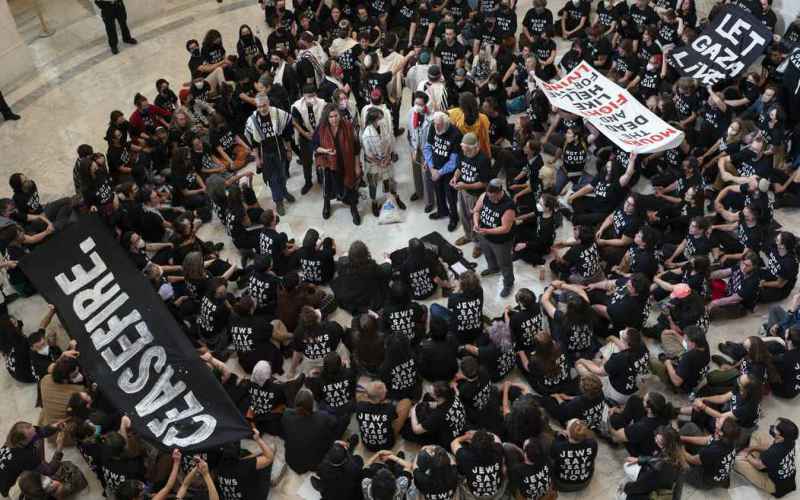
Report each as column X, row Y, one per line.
column 68, row 102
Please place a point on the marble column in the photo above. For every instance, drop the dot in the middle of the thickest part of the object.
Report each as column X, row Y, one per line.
column 786, row 10
column 15, row 56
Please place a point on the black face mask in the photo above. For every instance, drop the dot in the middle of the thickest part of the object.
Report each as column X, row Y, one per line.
column 772, row 431
column 195, row 52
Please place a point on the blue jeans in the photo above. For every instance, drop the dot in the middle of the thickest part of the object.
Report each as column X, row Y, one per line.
column 273, row 170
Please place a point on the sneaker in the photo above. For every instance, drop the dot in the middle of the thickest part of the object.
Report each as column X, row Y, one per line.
column 506, row 291
column 489, row 272
column 463, row 240
column 290, row 198
column 280, row 208
column 306, row 188
column 476, row 252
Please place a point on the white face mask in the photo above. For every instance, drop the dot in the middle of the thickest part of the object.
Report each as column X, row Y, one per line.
column 651, row 67
column 44, row 351
column 140, row 244
column 418, row 108
column 77, row 378
column 685, row 344
column 492, row 86
column 343, row 105
column 459, row 83
column 540, row 207
column 199, row 85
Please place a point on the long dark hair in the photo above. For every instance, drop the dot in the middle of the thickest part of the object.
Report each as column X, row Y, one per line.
column 469, row 106
column 759, row 354
column 483, row 445
column 211, row 35
column 331, row 367
column 579, row 313
column 547, row 354
column 398, row 350
column 324, row 119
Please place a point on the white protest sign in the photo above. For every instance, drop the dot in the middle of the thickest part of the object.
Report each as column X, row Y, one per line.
column 584, row 91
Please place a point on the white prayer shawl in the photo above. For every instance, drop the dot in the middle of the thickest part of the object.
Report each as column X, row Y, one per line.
column 392, row 63
column 375, row 146
column 316, row 56
column 387, row 130
column 279, row 118
column 416, row 75
column 341, row 45
column 301, row 106
column 278, row 76
column 437, row 95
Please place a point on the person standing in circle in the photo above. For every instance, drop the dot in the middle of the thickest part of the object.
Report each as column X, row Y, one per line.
column 114, row 11
column 493, row 220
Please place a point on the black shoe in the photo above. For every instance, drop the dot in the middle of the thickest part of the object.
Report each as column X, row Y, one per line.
column 452, row 225
column 400, row 131
column 472, row 265
column 290, row 198
column 326, row 210
column 356, row 216
column 219, row 246
column 376, row 209
column 489, row 272
column 400, row 204
column 414, row 197
column 506, row 291
column 131, row 41
column 401, row 455
column 435, row 215
column 728, row 349
column 428, row 209
column 306, row 188
column 11, row 116
column 247, row 255
column 114, row 50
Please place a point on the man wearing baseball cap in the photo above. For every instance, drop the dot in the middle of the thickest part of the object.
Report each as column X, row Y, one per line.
column 493, row 220
column 470, row 179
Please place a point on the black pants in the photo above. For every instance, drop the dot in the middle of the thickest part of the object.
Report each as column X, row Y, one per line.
column 446, row 197
column 114, row 14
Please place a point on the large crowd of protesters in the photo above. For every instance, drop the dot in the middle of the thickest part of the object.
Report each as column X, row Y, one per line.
column 615, row 349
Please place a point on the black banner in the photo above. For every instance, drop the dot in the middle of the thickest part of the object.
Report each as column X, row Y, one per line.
column 129, row 342
column 732, row 42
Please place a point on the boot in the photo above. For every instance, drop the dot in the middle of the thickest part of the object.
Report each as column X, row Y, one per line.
column 326, row 209
column 376, row 209
column 356, row 215
column 306, row 187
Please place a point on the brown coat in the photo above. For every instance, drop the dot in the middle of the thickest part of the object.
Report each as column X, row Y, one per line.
column 346, row 147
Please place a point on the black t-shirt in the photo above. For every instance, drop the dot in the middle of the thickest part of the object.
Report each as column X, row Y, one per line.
column 483, row 476
column 607, row 16
column 419, row 273
column 623, row 224
column 214, row 314
column 746, row 411
column 272, row 243
column 448, row 55
column 317, row 266
column 337, row 392
column 498, row 361
column 241, row 479
column 375, row 425
column 465, row 317
column 642, row 17
column 443, row 145
column 315, row 344
column 584, row 259
column 621, row 370
column 573, row 463
column 550, row 382
column 437, row 484
column 532, row 481
column 265, row 398
column 788, row 365
column 115, row 472
column 717, row 461
column 308, row 439
column 642, row 261
column 607, row 194
column 574, row 10
column 445, row 422
column 700, row 246
column 641, row 436
column 781, row 267
column 263, row 288
column 475, row 169
column 15, row 461
column 587, row 409
column 251, row 340
column 402, row 319
column 780, row 461
column 692, row 367
column 574, row 158
column 536, row 21
column 625, row 309
column 18, row 359
column 491, row 217
column 748, row 163
column 745, row 286
column 479, row 396
column 524, row 325
column 401, row 377
column 28, row 202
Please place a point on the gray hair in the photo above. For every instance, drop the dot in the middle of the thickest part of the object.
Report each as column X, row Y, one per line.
column 262, row 99
column 441, row 116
